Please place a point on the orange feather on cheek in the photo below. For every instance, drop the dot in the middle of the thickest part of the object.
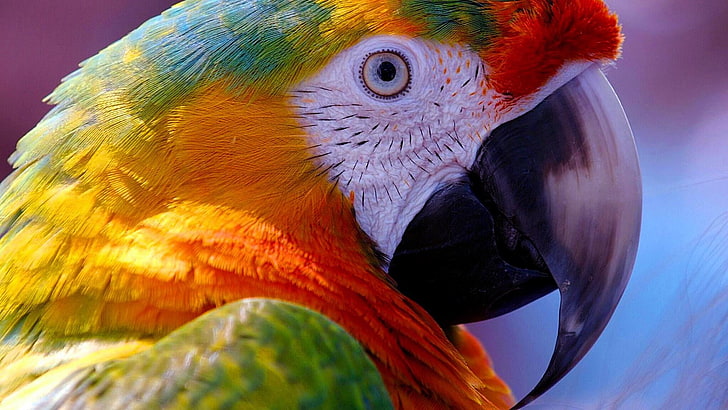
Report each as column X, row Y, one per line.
column 239, row 151
column 238, row 171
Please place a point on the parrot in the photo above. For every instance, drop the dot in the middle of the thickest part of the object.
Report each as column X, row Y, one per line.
column 299, row 203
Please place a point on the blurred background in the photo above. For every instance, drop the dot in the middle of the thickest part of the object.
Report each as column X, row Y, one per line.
column 667, row 345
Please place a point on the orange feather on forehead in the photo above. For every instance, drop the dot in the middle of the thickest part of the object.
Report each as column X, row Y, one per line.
column 539, row 36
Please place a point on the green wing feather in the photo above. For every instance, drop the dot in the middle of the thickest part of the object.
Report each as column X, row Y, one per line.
column 251, row 354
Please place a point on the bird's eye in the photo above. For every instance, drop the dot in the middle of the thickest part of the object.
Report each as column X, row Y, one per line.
column 385, row 74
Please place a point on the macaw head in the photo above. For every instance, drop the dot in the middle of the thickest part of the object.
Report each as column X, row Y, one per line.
column 486, row 156
column 475, row 146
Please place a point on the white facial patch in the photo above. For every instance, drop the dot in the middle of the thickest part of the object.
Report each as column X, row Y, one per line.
column 389, row 141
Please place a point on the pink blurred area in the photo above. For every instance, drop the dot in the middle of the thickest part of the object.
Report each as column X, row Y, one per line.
column 673, row 82
column 41, row 41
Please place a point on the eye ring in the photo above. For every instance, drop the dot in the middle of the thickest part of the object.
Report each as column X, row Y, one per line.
column 385, row 74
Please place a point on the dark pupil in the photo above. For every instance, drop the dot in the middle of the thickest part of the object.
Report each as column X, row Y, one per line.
column 386, row 71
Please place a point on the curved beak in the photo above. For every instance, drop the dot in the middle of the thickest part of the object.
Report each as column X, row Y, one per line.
column 553, row 201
